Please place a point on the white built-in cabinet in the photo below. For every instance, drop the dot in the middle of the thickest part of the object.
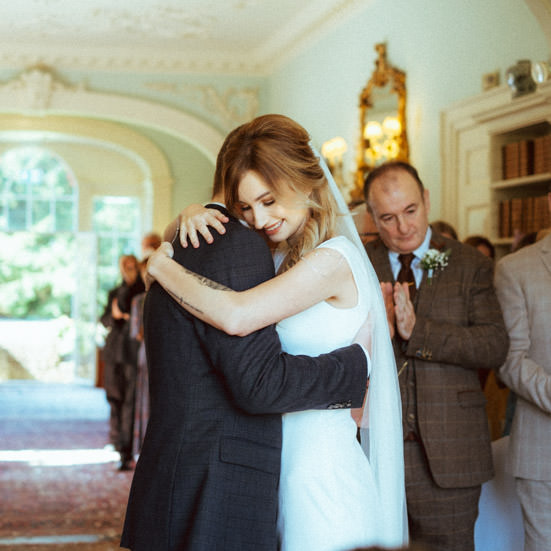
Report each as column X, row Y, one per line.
column 474, row 132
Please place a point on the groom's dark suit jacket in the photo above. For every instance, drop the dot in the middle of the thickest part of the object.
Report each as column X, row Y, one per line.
column 207, row 477
column 459, row 328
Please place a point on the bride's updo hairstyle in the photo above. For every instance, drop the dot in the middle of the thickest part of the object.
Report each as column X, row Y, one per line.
column 278, row 150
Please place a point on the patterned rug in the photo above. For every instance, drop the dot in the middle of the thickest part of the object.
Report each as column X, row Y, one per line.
column 57, row 477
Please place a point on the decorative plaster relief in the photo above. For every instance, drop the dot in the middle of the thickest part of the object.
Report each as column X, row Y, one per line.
column 34, row 88
column 231, row 108
column 164, row 21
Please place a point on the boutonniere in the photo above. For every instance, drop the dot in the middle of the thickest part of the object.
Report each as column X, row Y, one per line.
column 434, row 260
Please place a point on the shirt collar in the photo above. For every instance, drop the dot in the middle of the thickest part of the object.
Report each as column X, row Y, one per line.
column 420, row 251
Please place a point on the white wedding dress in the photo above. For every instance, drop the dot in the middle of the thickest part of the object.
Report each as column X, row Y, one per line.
column 328, row 497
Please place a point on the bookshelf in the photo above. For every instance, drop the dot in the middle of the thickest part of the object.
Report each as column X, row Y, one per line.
column 521, row 173
column 496, row 164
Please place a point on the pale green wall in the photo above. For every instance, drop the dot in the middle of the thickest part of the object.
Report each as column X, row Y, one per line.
column 445, row 46
column 191, row 170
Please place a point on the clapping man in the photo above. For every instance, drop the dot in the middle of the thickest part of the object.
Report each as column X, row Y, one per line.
column 447, row 324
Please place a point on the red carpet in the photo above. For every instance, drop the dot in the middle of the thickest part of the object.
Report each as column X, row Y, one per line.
column 41, row 493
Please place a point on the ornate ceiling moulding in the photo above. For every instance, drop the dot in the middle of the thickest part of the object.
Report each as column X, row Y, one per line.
column 145, row 62
column 230, row 108
column 33, row 89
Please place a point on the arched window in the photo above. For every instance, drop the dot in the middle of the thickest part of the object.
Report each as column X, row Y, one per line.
column 38, row 192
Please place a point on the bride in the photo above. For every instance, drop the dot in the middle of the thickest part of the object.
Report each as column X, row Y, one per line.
column 334, row 493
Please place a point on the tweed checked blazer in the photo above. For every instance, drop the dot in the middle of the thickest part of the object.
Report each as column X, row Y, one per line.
column 459, row 328
column 208, row 473
column 523, row 283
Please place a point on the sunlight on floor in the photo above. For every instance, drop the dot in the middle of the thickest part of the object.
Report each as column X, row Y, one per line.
column 58, row 458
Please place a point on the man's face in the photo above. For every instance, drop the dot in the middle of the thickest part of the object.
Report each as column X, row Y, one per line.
column 400, row 211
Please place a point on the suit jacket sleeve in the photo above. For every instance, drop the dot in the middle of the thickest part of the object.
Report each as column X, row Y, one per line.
column 260, row 377
column 521, row 373
column 464, row 325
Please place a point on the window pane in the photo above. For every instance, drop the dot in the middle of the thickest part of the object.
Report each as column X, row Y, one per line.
column 41, row 219
column 61, row 184
column 64, row 215
column 4, row 183
column 19, row 186
column 17, row 219
column 127, row 245
column 107, row 250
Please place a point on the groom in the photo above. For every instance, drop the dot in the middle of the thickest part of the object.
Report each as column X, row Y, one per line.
column 207, row 478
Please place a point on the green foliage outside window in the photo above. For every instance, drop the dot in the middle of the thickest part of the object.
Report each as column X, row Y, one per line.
column 36, row 275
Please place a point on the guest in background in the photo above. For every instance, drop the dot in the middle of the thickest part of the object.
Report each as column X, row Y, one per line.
column 141, row 404
column 523, row 282
column 119, row 356
column 150, row 243
column 364, row 222
column 447, row 324
column 521, row 240
column 481, row 243
column 445, row 229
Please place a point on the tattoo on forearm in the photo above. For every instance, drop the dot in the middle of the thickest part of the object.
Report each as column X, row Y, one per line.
column 183, row 302
column 209, row 283
column 203, row 281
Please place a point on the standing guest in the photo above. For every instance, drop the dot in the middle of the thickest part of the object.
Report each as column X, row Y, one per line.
column 445, row 229
column 447, row 324
column 119, row 356
column 141, row 403
column 150, row 243
column 523, row 282
column 364, row 222
column 481, row 243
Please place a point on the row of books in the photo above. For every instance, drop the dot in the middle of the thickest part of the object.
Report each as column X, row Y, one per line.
column 524, row 214
column 526, row 157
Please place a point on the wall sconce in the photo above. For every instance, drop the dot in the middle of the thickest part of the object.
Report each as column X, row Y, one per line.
column 333, row 151
column 382, row 140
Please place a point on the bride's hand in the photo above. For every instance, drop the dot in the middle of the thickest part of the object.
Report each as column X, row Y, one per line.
column 155, row 261
column 196, row 218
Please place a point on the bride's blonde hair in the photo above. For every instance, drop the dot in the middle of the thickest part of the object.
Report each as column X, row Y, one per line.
column 278, row 150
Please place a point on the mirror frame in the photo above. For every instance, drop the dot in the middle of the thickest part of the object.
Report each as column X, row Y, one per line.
column 383, row 74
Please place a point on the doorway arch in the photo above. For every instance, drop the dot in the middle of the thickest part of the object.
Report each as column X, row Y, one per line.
column 36, row 92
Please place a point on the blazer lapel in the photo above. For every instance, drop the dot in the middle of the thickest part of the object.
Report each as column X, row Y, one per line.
column 381, row 262
column 427, row 289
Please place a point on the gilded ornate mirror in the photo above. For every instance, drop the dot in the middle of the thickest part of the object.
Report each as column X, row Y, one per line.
column 383, row 134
